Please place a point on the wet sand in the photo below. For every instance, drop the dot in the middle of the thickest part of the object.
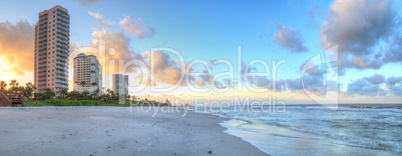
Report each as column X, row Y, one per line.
column 115, row 131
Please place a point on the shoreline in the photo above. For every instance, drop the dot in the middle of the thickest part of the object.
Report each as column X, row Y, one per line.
column 115, row 131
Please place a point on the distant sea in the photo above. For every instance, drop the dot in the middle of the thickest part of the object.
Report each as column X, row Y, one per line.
column 316, row 130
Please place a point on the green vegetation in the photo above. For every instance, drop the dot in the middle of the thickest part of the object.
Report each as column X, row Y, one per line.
column 59, row 102
column 74, row 98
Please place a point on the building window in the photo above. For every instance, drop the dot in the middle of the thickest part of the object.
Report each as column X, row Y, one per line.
column 54, row 16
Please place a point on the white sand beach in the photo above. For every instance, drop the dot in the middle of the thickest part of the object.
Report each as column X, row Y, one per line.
column 114, row 131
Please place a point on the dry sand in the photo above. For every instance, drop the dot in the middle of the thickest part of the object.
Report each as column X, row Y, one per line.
column 114, row 131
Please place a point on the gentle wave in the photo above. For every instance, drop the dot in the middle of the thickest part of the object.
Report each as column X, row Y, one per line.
column 355, row 122
column 358, row 141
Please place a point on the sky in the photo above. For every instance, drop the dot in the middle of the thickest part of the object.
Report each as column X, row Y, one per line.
column 367, row 35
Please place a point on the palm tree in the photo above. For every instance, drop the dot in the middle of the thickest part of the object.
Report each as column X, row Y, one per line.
column 133, row 97
column 3, row 85
column 85, row 93
column 14, row 84
column 96, row 92
column 128, row 97
column 82, row 83
column 94, row 84
column 49, row 92
column 63, row 93
column 29, row 88
column 73, row 95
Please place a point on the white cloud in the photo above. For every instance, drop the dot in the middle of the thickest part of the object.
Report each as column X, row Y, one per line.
column 287, row 38
column 359, row 27
column 138, row 28
column 101, row 21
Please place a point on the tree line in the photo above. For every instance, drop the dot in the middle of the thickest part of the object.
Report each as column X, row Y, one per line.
column 29, row 88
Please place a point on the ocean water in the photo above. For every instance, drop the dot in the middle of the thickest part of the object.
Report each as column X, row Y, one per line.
column 316, row 130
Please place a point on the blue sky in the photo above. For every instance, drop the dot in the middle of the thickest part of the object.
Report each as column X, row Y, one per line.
column 212, row 30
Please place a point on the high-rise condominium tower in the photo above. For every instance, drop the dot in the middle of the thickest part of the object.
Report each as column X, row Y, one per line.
column 120, row 84
column 52, row 33
column 87, row 69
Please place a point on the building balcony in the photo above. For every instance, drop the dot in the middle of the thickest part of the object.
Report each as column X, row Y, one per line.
column 62, row 41
column 62, row 86
column 61, row 81
column 63, row 28
column 61, row 68
column 62, row 37
column 62, row 50
column 63, row 74
column 42, row 79
column 63, row 32
column 42, row 48
column 63, row 13
column 62, row 59
column 63, row 56
column 42, row 67
column 61, row 46
column 63, row 19
column 43, row 45
column 63, row 24
column 43, row 31
column 42, row 21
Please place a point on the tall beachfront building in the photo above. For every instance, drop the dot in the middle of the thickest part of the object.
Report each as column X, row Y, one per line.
column 120, row 84
column 52, row 40
column 87, row 69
